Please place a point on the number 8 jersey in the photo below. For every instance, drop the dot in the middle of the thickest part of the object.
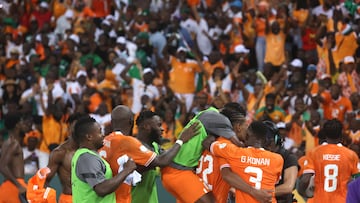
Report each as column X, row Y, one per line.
column 333, row 165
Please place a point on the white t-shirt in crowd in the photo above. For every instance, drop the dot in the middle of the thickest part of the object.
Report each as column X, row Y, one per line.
column 31, row 168
column 139, row 90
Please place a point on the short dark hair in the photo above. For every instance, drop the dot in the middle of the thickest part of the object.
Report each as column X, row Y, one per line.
column 143, row 116
column 74, row 117
column 234, row 111
column 333, row 129
column 82, row 127
column 259, row 129
column 272, row 133
column 270, row 96
column 11, row 120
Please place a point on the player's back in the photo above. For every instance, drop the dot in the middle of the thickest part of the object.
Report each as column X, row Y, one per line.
column 111, row 151
column 209, row 171
column 256, row 166
column 115, row 146
column 259, row 168
column 65, row 152
column 333, row 165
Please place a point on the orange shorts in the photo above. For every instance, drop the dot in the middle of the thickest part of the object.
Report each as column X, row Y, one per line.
column 184, row 185
column 9, row 193
column 65, row 198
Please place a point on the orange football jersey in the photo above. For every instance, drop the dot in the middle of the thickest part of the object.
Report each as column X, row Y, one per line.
column 256, row 166
column 335, row 108
column 333, row 165
column 209, row 171
column 116, row 145
column 182, row 76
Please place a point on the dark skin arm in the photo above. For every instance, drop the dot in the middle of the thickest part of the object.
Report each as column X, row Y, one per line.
column 54, row 163
column 241, row 87
column 5, row 159
column 165, row 158
column 235, row 181
column 182, row 110
column 51, row 6
column 50, row 99
column 331, row 60
column 290, row 175
column 267, row 28
column 303, row 183
column 319, row 35
column 110, row 185
column 124, row 75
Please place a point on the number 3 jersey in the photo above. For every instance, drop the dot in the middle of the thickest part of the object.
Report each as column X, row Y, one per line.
column 256, row 166
column 333, row 165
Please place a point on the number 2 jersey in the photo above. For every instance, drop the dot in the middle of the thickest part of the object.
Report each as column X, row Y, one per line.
column 333, row 165
column 256, row 166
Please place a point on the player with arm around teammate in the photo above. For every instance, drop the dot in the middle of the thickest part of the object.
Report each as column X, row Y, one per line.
column 255, row 165
column 92, row 180
column 219, row 181
column 120, row 143
column 179, row 178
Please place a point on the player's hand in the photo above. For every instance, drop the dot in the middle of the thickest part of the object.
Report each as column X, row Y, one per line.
column 130, row 166
column 235, row 140
column 208, row 141
column 190, row 132
column 263, row 196
column 50, row 87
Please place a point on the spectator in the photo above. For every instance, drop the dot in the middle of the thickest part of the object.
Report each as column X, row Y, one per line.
column 335, row 105
column 270, row 111
column 182, row 76
column 141, row 87
column 42, row 13
column 260, row 28
column 349, row 80
column 275, row 45
column 34, row 159
column 10, row 94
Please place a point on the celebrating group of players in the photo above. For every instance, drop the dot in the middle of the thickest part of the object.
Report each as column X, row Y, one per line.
column 217, row 154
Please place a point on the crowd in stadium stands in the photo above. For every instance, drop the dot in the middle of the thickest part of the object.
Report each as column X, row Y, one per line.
column 295, row 63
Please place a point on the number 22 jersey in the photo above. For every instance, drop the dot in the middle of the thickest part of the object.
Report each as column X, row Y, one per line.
column 333, row 165
column 209, row 171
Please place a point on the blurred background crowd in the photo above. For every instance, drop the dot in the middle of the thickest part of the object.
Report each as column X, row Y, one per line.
column 294, row 62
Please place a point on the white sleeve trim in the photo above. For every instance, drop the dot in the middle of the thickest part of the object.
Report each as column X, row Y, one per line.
column 307, row 171
column 225, row 166
column 212, row 147
column 153, row 156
